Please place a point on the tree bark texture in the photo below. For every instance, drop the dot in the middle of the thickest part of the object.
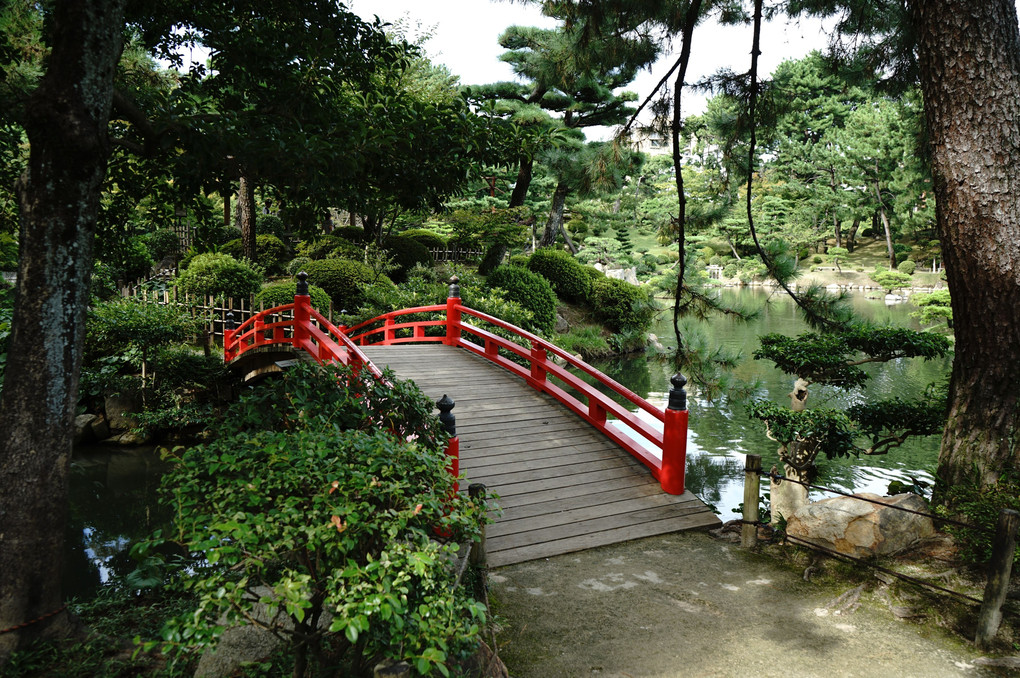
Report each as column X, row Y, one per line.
column 970, row 76
column 520, row 191
column 59, row 197
column 555, row 222
column 246, row 216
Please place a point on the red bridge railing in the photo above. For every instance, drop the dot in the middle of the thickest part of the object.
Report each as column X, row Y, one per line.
column 664, row 451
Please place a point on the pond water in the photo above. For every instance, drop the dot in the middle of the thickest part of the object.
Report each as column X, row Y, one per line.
column 721, row 433
column 113, row 494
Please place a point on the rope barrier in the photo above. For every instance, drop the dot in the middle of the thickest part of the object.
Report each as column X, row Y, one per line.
column 34, row 621
column 773, row 476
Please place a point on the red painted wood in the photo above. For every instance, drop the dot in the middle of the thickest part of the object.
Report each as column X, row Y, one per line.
column 312, row 332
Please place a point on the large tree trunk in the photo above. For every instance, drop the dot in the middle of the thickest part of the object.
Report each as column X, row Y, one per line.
column 554, row 224
column 59, row 197
column 246, row 216
column 970, row 76
column 851, row 236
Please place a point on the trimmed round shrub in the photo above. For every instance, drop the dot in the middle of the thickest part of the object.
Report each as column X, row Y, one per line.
column 281, row 293
column 329, row 246
column 620, row 305
column 406, row 253
column 271, row 253
column 519, row 260
column 528, row 289
column 270, row 224
column 297, row 264
column 429, row 239
column 234, row 248
column 564, row 273
column 162, row 242
column 593, row 273
column 729, row 270
column 344, row 280
column 219, row 274
column 907, row 266
column 817, row 259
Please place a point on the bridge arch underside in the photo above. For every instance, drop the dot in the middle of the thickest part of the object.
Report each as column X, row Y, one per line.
column 260, row 362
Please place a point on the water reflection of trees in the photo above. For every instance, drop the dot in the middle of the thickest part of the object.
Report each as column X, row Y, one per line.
column 706, row 474
column 113, row 503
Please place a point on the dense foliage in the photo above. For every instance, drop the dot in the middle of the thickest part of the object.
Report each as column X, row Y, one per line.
column 564, row 273
column 317, row 499
column 280, row 293
column 528, row 289
column 620, row 305
column 220, row 275
column 343, row 280
column 406, row 253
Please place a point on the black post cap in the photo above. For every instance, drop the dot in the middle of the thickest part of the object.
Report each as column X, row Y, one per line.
column 302, row 284
column 455, row 287
column 231, row 325
column 677, row 394
column 446, row 416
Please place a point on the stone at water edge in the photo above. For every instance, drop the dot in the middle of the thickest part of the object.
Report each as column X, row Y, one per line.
column 862, row 528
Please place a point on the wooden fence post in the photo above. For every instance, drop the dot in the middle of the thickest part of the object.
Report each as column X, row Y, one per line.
column 999, row 569
column 752, row 490
column 674, row 439
column 479, row 557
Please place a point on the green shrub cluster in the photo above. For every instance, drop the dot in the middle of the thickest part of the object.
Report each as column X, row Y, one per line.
column 282, row 293
column 319, row 492
column 620, row 305
column 8, row 252
column 343, row 280
column 429, row 239
column 329, row 246
column 270, row 252
column 220, row 275
column 907, row 266
column 528, row 289
column 162, row 243
column 270, row 224
column 980, row 507
column 406, row 253
column 564, row 273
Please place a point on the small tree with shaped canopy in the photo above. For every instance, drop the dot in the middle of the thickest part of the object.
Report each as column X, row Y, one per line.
column 835, row 359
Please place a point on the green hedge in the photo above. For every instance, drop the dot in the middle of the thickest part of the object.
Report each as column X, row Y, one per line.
column 528, row 289
column 270, row 252
column 406, row 254
column 220, row 275
column 564, row 273
column 343, row 280
column 428, row 238
column 621, row 306
column 281, row 293
column 329, row 246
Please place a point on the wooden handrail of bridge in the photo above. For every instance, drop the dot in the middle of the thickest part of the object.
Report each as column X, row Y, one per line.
column 302, row 327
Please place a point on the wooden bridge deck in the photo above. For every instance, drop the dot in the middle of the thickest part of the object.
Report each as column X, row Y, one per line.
column 562, row 485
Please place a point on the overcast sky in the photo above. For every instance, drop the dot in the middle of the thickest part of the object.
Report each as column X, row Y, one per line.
column 465, row 34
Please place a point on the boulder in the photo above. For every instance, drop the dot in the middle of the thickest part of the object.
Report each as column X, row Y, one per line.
column 119, row 408
column 862, row 528
column 132, row 437
column 100, row 429
column 83, row 431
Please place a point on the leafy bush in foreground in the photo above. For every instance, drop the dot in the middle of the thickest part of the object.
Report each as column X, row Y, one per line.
column 318, row 500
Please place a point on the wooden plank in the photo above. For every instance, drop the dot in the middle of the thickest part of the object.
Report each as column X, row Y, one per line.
column 560, row 504
column 628, row 511
column 564, row 472
column 499, row 557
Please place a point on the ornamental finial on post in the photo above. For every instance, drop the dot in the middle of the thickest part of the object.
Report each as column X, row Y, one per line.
column 677, row 394
column 454, row 288
column 302, row 284
column 446, row 416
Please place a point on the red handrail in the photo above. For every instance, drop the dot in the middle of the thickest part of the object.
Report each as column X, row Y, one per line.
column 305, row 328
column 297, row 325
column 667, row 457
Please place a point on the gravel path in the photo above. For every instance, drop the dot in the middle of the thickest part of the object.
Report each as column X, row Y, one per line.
column 689, row 605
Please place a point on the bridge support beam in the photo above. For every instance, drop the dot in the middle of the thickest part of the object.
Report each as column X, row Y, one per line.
column 672, row 475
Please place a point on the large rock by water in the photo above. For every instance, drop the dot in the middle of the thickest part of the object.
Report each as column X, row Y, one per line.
column 862, row 528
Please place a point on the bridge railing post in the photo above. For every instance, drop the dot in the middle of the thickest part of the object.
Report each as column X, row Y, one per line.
column 302, row 312
column 674, row 439
column 538, row 360
column 229, row 333
column 453, row 313
column 449, row 422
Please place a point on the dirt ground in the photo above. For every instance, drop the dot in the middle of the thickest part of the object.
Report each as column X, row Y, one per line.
column 689, row 605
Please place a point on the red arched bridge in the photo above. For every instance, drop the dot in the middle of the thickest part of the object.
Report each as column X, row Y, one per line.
column 572, row 466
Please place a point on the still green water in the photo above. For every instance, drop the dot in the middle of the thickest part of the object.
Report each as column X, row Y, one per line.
column 721, row 433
